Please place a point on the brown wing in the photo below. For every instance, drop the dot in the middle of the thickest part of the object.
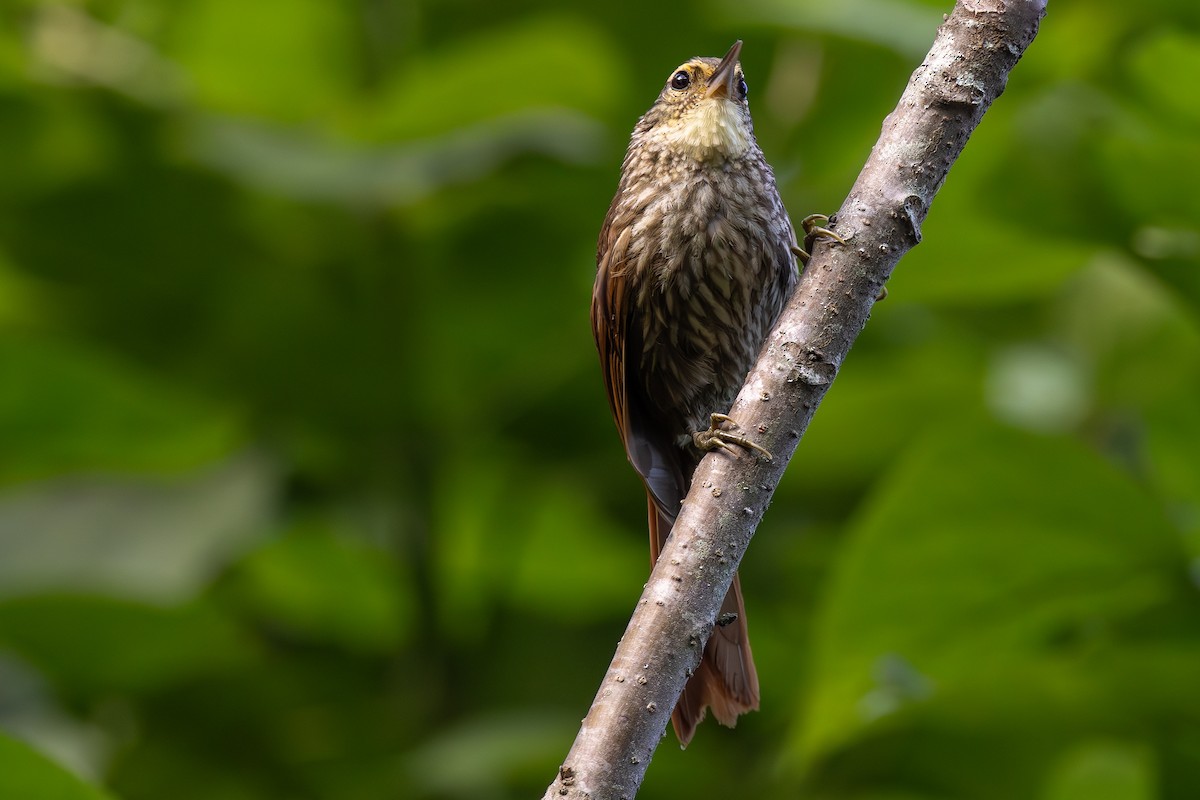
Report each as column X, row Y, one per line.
column 617, row 329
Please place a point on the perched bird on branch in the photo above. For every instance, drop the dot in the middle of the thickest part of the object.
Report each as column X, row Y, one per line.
column 695, row 261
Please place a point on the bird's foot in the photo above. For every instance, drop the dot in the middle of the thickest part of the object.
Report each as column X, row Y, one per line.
column 720, row 435
column 814, row 228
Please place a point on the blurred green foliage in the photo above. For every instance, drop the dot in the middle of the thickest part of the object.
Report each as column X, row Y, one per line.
column 308, row 486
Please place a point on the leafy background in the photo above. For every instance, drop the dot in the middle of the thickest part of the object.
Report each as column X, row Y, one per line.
column 308, row 487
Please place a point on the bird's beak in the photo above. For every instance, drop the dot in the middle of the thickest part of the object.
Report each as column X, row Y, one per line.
column 725, row 75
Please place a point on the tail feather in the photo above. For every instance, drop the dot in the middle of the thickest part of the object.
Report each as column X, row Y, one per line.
column 726, row 680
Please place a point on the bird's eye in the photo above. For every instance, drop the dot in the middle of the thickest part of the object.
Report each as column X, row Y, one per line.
column 742, row 88
column 680, row 80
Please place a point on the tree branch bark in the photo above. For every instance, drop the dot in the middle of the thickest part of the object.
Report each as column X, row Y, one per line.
column 967, row 68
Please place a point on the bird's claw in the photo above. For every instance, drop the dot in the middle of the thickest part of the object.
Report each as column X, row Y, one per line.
column 720, row 438
column 814, row 228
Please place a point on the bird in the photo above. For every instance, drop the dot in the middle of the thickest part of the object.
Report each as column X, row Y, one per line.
column 695, row 260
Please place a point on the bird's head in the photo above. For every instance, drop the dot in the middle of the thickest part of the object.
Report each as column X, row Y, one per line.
column 702, row 112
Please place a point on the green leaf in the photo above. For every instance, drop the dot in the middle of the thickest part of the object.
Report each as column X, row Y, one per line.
column 971, row 257
column 26, row 774
column 1139, row 159
column 470, row 760
column 19, row 296
column 1104, row 771
column 544, row 62
column 90, row 645
column 535, row 542
column 572, row 564
column 902, row 26
column 282, row 59
column 980, row 550
column 65, row 408
column 304, row 165
column 1116, row 310
column 329, row 587
column 155, row 538
column 912, row 363
column 1165, row 64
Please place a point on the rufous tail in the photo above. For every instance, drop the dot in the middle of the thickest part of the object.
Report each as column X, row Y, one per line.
column 726, row 680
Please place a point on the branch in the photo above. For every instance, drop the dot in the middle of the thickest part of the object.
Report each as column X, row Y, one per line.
column 966, row 70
